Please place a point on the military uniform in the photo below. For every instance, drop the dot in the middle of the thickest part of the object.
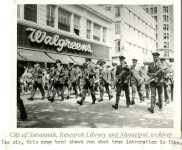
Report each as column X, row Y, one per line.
column 37, row 82
column 171, row 77
column 137, row 83
column 58, row 82
column 88, row 82
column 105, row 81
column 50, row 82
column 113, row 78
column 157, row 84
column 73, row 79
column 122, row 82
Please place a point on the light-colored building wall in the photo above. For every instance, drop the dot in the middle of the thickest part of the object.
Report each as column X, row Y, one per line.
column 136, row 35
column 163, row 34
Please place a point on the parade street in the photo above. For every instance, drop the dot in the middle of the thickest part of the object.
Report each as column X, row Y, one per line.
column 68, row 114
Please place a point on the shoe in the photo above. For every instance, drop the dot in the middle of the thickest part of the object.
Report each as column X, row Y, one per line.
column 62, row 99
column 157, row 104
column 51, row 99
column 160, row 109
column 79, row 102
column 110, row 97
column 100, row 100
column 127, row 106
column 68, row 97
column 115, row 106
column 151, row 110
column 42, row 98
column 30, row 99
column 132, row 103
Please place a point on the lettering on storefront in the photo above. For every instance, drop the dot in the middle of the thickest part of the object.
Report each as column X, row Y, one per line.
column 39, row 36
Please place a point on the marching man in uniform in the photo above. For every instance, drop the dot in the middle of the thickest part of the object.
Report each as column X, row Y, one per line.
column 122, row 82
column 58, row 83
column 137, row 82
column 156, row 74
column 37, row 81
column 88, row 83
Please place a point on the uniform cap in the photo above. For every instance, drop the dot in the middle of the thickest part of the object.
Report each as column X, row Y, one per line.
column 58, row 61
column 87, row 59
column 134, row 59
column 155, row 54
column 121, row 57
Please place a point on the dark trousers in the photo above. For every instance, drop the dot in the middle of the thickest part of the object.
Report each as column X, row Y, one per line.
column 35, row 86
column 166, row 92
column 102, row 86
column 87, row 86
column 50, row 85
column 147, row 89
column 20, row 105
column 137, row 88
column 124, row 87
column 58, row 87
column 159, row 90
column 75, row 88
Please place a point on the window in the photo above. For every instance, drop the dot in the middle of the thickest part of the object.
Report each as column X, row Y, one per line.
column 117, row 27
column 104, row 34
column 51, row 15
column 156, row 36
column 108, row 8
column 165, row 27
column 117, row 46
column 166, row 44
column 155, row 10
column 165, row 9
column 18, row 11
column 151, row 11
column 76, row 24
column 156, row 45
column 117, row 11
column 30, row 12
column 147, row 10
column 165, row 18
column 96, row 32
column 156, row 27
column 64, row 20
column 88, row 29
column 165, row 36
column 155, row 18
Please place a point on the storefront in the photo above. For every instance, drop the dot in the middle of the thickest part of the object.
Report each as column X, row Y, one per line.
column 36, row 44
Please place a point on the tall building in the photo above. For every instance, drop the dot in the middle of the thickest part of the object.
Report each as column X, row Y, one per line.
column 66, row 32
column 163, row 16
column 134, row 33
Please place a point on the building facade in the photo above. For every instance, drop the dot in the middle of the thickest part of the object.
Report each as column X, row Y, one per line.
column 134, row 33
column 163, row 16
column 66, row 32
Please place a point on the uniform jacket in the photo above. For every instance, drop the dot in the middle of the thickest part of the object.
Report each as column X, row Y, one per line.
column 59, row 75
column 152, row 69
column 37, row 75
column 73, row 75
column 124, row 77
column 105, row 76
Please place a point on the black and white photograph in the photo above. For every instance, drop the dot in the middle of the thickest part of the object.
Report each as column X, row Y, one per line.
column 95, row 66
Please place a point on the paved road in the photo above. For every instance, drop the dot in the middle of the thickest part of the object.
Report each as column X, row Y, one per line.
column 68, row 114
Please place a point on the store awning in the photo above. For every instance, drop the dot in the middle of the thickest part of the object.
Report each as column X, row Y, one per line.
column 63, row 58
column 78, row 60
column 34, row 56
column 20, row 57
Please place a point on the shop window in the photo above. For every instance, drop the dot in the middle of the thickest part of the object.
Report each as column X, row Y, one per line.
column 165, row 9
column 117, row 11
column 117, row 46
column 104, row 34
column 117, row 27
column 96, row 32
column 30, row 12
column 165, row 36
column 51, row 15
column 64, row 20
column 76, row 25
column 88, row 29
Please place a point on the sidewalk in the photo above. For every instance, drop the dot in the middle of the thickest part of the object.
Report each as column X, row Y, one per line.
column 68, row 114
